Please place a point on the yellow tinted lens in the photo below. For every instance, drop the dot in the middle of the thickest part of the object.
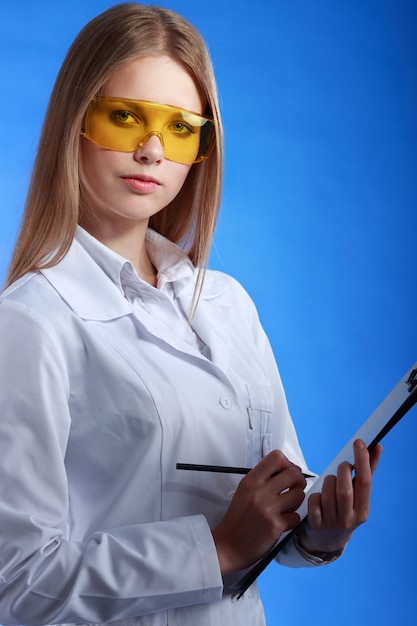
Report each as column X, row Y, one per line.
column 124, row 125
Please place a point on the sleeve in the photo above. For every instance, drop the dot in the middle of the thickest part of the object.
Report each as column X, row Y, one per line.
column 45, row 577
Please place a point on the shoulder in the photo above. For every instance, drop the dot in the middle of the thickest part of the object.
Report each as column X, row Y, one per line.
column 76, row 286
column 217, row 283
column 32, row 292
column 28, row 306
column 229, row 291
column 28, row 333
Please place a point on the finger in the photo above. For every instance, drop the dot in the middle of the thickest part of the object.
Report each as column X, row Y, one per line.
column 290, row 500
column 288, row 521
column 273, row 462
column 329, row 500
column 287, row 479
column 363, row 480
column 315, row 517
column 344, row 493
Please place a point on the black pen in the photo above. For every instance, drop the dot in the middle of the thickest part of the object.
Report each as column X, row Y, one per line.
column 225, row 469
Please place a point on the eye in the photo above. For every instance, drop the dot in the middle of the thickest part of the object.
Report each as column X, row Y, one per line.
column 125, row 117
column 181, row 128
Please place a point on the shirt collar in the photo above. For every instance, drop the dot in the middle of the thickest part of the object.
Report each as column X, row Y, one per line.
column 170, row 261
column 91, row 277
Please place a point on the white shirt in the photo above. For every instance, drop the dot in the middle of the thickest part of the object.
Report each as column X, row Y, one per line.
column 104, row 389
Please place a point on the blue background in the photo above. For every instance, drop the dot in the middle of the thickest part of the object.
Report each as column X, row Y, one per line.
column 318, row 223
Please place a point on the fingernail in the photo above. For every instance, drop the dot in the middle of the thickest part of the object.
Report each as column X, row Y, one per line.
column 360, row 444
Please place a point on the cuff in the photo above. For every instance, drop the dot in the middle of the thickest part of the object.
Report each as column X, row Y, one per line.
column 323, row 558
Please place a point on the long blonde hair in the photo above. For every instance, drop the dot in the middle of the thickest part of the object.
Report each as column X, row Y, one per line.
column 115, row 37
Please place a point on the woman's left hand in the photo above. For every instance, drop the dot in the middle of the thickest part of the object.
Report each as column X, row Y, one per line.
column 343, row 504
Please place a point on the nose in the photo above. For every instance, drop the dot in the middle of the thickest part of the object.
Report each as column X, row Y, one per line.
column 150, row 149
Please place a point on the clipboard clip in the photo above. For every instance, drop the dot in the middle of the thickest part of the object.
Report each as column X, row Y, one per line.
column 412, row 380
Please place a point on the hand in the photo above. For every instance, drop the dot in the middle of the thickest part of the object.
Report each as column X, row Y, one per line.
column 262, row 508
column 343, row 504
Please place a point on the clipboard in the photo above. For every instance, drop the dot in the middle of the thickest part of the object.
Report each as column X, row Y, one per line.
column 397, row 403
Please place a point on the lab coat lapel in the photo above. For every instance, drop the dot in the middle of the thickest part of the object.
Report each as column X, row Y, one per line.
column 211, row 321
column 212, row 325
column 85, row 287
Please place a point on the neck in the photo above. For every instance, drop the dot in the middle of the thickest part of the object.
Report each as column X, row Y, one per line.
column 127, row 240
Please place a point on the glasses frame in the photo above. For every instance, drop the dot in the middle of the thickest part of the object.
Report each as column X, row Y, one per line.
column 206, row 123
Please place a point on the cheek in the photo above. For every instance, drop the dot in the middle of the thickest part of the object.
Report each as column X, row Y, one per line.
column 179, row 174
column 95, row 163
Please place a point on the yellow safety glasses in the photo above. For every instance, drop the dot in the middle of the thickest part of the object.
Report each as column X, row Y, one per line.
column 124, row 125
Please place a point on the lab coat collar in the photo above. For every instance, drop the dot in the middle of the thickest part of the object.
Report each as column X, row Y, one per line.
column 170, row 260
column 85, row 287
column 90, row 280
column 91, row 277
column 82, row 278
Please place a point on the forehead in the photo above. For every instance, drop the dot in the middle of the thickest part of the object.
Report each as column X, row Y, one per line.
column 155, row 79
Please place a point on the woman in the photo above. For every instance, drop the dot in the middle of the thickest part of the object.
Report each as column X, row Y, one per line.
column 133, row 358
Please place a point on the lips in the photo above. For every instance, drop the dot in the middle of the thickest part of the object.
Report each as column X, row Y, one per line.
column 141, row 184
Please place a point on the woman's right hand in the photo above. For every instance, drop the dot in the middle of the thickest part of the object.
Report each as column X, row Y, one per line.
column 262, row 508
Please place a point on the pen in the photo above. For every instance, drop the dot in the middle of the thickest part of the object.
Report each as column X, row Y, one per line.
column 225, row 469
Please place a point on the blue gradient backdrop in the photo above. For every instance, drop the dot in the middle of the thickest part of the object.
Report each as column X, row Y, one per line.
column 318, row 223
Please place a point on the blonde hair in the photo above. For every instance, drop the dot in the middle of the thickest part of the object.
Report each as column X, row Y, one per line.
column 115, row 37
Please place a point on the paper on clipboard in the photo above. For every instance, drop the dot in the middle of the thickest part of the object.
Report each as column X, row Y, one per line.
column 398, row 402
column 370, row 431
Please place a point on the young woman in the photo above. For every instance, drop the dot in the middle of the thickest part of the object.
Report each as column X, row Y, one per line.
column 121, row 357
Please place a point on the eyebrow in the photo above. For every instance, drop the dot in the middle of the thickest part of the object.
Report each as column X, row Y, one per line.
column 130, row 102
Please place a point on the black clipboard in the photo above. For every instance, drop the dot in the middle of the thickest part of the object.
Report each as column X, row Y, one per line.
column 397, row 403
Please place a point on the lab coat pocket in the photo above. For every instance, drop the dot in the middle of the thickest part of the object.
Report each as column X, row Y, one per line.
column 260, row 399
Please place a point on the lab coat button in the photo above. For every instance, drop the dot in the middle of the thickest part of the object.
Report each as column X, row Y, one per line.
column 225, row 402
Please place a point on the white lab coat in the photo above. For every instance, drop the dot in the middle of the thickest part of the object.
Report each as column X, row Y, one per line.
column 100, row 397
